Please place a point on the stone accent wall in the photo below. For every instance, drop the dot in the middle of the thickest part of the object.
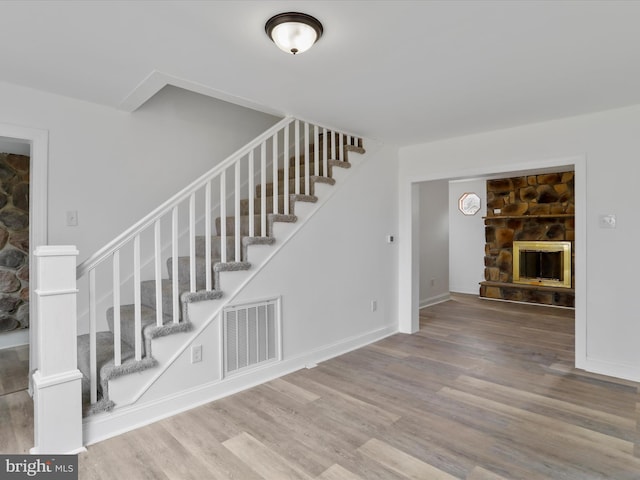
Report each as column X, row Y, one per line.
column 525, row 208
column 14, row 242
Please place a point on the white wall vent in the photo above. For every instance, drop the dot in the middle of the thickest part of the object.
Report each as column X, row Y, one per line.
column 251, row 335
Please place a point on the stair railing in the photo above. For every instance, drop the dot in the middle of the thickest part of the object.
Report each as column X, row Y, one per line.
column 218, row 191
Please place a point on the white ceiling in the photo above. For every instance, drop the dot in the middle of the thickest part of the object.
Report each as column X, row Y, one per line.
column 403, row 72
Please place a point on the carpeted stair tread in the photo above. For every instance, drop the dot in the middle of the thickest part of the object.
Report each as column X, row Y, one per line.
column 216, row 242
column 279, row 217
column 201, row 296
column 313, row 179
column 312, row 167
column 218, row 268
column 184, row 270
column 148, row 294
column 246, row 241
column 104, row 351
column 244, row 224
column 231, row 266
column 292, row 185
column 257, row 203
column 128, row 320
column 355, row 149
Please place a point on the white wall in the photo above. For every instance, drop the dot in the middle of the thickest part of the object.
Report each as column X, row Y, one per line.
column 466, row 238
column 434, row 242
column 114, row 167
column 606, row 286
column 329, row 273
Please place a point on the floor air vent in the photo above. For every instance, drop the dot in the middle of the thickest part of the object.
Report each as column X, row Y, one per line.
column 251, row 335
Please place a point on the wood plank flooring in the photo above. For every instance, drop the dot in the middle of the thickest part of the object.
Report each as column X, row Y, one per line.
column 14, row 369
column 485, row 391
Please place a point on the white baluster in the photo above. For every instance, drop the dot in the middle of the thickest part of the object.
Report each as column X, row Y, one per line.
column 93, row 363
column 137, row 299
column 192, row 243
column 251, row 195
column 237, row 212
column 175, row 274
column 333, row 146
column 341, row 147
column 297, row 157
column 307, row 187
column 223, row 217
column 207, row 236
column 274, row 154
column 266, row 337
column 117, row 354
column 158, row 272
column 325, row 153
column 286, row 151
column 316, row 150
column 263, row 182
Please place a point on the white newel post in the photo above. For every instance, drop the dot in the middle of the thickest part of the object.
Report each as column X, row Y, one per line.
column 57, row 395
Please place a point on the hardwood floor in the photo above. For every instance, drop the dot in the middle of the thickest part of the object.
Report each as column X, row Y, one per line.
column 14, row 369
column 483, row 391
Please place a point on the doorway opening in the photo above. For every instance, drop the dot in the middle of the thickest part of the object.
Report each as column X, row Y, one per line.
column 14, row 265
column 25, row 221
column 410, row 255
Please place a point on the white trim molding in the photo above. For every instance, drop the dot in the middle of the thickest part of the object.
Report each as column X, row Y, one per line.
column 427, row 302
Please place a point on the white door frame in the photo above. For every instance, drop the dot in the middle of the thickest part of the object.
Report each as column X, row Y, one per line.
column 409, row 248
column 38, row 231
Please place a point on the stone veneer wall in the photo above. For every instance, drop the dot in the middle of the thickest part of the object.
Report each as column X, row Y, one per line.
column 14, row 242
column 538, row 197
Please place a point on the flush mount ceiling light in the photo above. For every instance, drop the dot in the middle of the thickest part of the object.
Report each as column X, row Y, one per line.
column 293, row 32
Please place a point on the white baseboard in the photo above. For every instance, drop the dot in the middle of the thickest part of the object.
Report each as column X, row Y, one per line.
column 617, row 370
column 14, row 339
column 435, row 300
column 468, row 289
column 103, row 426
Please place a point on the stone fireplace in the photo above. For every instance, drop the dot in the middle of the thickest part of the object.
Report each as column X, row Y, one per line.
column 529, row 230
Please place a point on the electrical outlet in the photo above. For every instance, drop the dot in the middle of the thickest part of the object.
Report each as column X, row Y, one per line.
column 374, row 305
column 196, row 353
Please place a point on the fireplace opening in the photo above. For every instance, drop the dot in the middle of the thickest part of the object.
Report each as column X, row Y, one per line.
column 542, row 263
column 537, row 264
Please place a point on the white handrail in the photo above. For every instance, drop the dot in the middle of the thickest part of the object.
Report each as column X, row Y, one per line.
column 104, row 253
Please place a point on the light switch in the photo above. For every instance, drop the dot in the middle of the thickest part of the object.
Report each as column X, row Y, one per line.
column 72, row 218
column 607, row 221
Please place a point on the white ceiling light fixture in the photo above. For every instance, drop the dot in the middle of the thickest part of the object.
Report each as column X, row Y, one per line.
column 293, row 32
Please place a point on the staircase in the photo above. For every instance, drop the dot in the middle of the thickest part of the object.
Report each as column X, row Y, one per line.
column 289, row 160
